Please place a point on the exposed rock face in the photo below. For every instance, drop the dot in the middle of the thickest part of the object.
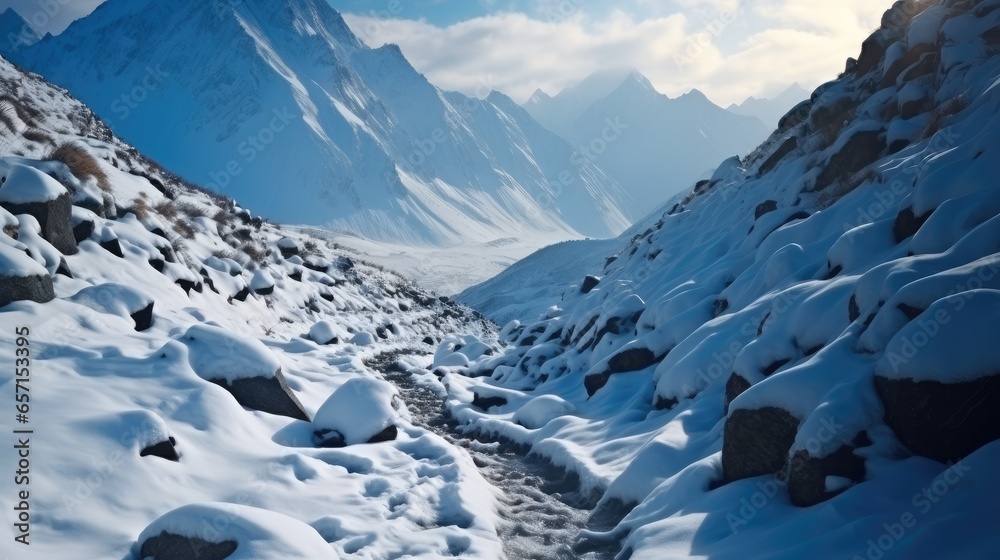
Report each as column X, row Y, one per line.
column 37, row 288
column 756, row 442
column 944, row 422
column 589, row 283
column 55, row 219
column 633, row 359
column 808, row 474
column 862, row 150
column 271, row 395
column 166, row 546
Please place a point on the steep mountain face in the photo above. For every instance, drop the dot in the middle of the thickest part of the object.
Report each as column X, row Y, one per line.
column 654, row 146
column 770, row 111
column 280, row 104
column 15, row 32
column 798, row 355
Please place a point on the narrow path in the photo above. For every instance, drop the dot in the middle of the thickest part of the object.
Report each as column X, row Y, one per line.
column 542, row 510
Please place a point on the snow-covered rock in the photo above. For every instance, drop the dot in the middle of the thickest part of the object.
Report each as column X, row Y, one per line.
column 21, row 278
column 222, row 531
column 27, row 190
column 360, row 411
column 116, row 299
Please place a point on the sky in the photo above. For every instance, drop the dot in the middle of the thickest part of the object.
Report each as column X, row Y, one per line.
column 729, row 49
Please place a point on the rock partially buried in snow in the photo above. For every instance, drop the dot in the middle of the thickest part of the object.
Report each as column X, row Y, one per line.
column 216, row 531
column 262, row 283
column 359, row 411
column 756, row 442
column 244, row 367
column 589, row 283
column 325, row 332
column 29, row 191
column 120, row 300
column 939, row 381
column 539, row 411
column 23, row 279
column 363, row 339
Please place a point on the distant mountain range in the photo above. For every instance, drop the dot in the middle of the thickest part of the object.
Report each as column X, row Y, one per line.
column 15, row 32
column 279, row 104
column 770, row 111
column 653, row 145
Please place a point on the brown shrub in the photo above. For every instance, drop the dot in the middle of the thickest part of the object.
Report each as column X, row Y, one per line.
column 35, row 135
column 191, row 210
column 185, row 228
column 140, row 208
column 258, row 255
column 83, row 165
column 166, row 208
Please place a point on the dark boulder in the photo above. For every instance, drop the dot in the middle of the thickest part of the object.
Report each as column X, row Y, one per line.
column 486, row 403
column 589, row 283
column 166, row 546
column 634, row 359
column 112, row 246
column 429, row 341
column 860, row 151
column 83, row 230
column 807, row 476
column 143, row 318
column 907, row 224
column 37, row 288
column 55, row 219
column 942, row 421
column 388, row 434
column 796, row 116
column 786, row 147
column 243, row 294
column 164, row 450
column 756, row 442
column 873, row 52
column 735, row 386
column 63, row 269
column 266, row 394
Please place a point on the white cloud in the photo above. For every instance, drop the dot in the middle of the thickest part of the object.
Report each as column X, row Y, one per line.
column 706, row 45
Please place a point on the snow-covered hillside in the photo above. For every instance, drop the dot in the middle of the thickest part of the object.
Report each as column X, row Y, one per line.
column 797, row 359
column 189, row 371
column 654, row 146
column 279, row 104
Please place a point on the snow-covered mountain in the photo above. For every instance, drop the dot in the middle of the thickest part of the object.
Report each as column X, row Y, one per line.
column 654, row 146
column 15, row 32
column 797, row 358
column 770, row 110
column 279, row 103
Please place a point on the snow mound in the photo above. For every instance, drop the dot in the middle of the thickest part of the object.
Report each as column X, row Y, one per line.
column 25, row 185
column 218, row 354
column 359, row 410
column 256, row 534
column 539, row 411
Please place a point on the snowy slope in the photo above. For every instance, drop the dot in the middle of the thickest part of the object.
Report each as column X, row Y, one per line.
column 280, row 104
column 770, row 111
column 794, row 360
column 155, row 314
column 654, row 146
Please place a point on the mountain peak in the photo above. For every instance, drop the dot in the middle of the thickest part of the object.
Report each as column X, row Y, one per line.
column 15, row 32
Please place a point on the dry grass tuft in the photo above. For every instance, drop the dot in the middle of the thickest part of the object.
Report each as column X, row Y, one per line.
column 81, row 164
